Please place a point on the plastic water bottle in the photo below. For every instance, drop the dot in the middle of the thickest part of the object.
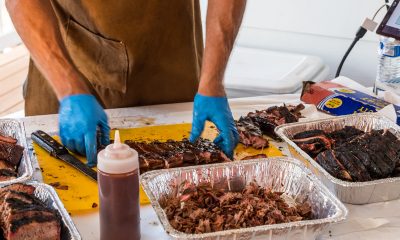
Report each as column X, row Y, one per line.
column 388, row 75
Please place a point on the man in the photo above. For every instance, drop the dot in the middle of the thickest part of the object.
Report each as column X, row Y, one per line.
column 93, row 54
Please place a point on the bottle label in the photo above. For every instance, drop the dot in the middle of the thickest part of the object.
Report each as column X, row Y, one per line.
column 389, row 51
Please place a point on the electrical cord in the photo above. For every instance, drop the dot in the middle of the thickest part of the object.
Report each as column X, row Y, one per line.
column 360, row 34
column 376, row 13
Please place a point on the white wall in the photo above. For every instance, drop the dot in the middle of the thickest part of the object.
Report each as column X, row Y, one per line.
column 323, row 28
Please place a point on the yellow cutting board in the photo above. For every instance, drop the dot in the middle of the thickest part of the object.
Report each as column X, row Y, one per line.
column 79, row 193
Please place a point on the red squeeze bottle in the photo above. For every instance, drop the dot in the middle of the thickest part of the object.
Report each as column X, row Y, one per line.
column 118, row 179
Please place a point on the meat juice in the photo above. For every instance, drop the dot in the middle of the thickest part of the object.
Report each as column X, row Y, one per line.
column 118, row 179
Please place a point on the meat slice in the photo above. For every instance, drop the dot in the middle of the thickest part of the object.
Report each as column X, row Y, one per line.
column 258, row 156
column 18, row 187
column 309, row 134
column 344, row 135
column 207, row 152
column 267, row 123
column 353, row 165
column 6, row 175
column 11, row 153
column 8, row 139
column 253, row 127
column 331, row 163
column 23, row 216
column 37, row 227
column 170, row 152
column 7, row 165
column 250, row 133
column 314, row 145
column 370, row 165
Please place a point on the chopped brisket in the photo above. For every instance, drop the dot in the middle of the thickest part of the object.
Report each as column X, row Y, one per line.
column 256, row 125
column 159, row 155
column 203, row 209
column 351, row 154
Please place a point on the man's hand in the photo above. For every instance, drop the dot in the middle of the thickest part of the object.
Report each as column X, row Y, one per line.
column 222, row 25
column 80, row 115
column 216, row 110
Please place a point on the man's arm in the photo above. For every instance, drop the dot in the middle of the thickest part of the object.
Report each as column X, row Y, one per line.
column 222, row 25
column 80, row 114
column 223, row 21
column 36, row 23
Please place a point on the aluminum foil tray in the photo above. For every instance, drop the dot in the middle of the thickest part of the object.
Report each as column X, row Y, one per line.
column 349, row 192
column 281, row 174
column 47, row 195
column 15, row 129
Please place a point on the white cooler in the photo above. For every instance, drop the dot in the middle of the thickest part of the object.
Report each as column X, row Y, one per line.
column 257, row 72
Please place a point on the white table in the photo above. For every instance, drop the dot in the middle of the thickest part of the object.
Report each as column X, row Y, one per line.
column 373, row 221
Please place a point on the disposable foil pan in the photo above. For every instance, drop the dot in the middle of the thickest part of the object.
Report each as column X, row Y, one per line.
column 281, row 174
column 348, row 192
column 49, row 197
column 15, row 129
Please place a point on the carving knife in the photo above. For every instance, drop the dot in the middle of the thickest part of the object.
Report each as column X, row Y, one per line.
column 59, row 151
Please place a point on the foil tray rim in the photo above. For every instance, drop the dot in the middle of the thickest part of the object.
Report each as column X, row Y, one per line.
column 340, row 215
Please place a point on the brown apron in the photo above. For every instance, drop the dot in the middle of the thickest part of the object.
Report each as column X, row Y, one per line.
column 132, row 52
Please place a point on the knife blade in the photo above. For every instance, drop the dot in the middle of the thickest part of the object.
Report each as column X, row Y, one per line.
column 59, row 151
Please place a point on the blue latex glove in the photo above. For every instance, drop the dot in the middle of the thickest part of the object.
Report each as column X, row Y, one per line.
column 80, row 115
column 216, row 110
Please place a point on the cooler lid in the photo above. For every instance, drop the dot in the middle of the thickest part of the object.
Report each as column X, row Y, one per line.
column 270, row 71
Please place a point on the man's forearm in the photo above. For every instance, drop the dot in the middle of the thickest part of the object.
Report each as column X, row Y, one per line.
column 222, row 25
column 36, row 23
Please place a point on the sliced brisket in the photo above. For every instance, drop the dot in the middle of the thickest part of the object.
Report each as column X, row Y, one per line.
column 10, row 156
column 351, row 154
column 331, row 163
column 159, row 155
column 23, row 216
column 256, row 125
column 11, row 152
column 6, row 175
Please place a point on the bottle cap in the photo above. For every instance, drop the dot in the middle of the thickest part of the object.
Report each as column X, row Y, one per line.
column 117, row 158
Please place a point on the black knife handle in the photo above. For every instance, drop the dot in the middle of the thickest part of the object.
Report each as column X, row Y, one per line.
column 48, row 143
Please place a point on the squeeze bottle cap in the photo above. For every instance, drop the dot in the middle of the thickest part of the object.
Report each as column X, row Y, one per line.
column 117, row 158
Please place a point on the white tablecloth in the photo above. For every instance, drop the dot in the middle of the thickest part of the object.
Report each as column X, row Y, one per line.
column 373, row 221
